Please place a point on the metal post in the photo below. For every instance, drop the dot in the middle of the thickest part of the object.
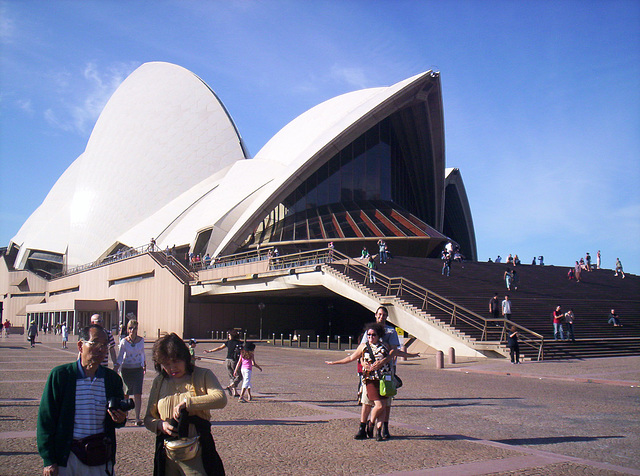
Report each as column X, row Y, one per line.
column 281, row 340
column 308, row 341
column 328, row 342
column 338, row 342
column 290, row 340
column 317, row 341
column 274, row 338
column 350, row 338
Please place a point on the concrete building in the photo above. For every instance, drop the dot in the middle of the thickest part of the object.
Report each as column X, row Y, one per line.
column 165, row 168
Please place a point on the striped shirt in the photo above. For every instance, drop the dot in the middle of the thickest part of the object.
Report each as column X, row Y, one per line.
column 112, row 344
column 91, row 404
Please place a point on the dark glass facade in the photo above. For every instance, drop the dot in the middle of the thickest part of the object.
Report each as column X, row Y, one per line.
column 362, row 191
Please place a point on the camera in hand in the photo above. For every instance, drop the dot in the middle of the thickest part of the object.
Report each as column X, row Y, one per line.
column 182, row 424
column 124, row 404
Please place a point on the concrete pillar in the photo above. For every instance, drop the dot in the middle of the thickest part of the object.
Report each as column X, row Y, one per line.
column 439, row 360
column 452, row 356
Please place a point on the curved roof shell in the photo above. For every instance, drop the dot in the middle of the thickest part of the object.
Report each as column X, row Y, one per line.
column 314, row 137
column 160, row 133
column 165, row 161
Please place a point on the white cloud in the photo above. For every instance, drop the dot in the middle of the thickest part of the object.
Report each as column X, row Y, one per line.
column 83, row 97
column 25, row 105
column 7, row 26
column 352, row 76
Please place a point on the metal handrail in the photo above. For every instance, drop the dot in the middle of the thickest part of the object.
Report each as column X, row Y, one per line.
column 399, row 287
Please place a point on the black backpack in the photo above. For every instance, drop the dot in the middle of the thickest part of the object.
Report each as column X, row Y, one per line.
column 237, row 350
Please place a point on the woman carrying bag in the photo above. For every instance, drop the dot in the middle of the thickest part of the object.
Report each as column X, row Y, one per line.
column 178, row 412
column 376, row 376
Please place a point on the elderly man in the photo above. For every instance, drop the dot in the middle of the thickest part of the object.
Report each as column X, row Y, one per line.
column 97, row 320
column 73, row 414
column 391, row 339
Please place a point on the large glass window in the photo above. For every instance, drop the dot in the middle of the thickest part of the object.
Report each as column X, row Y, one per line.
column 374, row 167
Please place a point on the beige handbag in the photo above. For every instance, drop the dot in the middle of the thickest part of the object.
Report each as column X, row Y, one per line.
column 182, row 449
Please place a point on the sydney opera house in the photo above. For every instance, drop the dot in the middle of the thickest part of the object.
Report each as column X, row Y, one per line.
column 165, row 161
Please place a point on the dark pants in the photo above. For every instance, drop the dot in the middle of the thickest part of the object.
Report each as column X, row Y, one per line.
column 515, row 353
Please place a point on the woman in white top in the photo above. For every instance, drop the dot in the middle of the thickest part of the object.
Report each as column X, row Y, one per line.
column 132, row 365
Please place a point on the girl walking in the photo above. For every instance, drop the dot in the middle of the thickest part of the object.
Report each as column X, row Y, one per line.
column 245, row 365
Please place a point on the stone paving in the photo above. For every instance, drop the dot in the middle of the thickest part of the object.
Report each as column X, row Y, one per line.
column 474, row 417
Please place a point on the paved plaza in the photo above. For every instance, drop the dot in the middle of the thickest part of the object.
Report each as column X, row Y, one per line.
column 579, row 417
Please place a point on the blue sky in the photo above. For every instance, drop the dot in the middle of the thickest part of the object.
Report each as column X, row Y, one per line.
column 541, row 98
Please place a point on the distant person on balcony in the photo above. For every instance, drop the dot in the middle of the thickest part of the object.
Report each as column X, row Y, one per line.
column 510, row 259
column 619, row 268
column 499, row 259
column 371, row 271
column 512, row 343
column 533, row 263
column 448, row 248
column 516, row 261
column 494, row 307
column 588, row 261
column 382, row 251
column 207, row 260
column 508, row 278
column 515, row 279
column 541, row 260
column 558, row 317
column 446, row 263
column 598, row 260
column 569, row 319
column 577, row 273
column 506, row 308
column 614, row 319
column 365, row 253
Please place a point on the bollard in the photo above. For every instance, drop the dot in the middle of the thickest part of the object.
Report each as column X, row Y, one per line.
column 452, row 356
column 299, row 340
column 317, row 341
column 439, row 360
column 338, row 342
column 245, row 336
column 290, row 340
column 308, row 341
column 211, row 335
column 281, row 340
column 274, row 338
column 328, row 342
column 349, row 342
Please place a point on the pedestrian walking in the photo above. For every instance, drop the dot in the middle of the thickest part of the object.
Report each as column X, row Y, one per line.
column 245, row 367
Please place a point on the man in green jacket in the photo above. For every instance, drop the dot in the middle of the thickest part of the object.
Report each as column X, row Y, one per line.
column 62, row 426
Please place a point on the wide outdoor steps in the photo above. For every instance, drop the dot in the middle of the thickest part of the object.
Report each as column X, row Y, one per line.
column 541, row 289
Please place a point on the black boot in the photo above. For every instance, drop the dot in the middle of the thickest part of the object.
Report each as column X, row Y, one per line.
column 370, row 427
column 385, row 430
column 362, row 432
column 379, row 434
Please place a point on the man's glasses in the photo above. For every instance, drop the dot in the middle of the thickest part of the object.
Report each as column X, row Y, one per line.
column 94, row 345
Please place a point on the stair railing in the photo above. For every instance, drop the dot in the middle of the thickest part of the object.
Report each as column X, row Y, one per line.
column 488, row 329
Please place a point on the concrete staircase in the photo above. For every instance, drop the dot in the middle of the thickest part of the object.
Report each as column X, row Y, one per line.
column 541, row 289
